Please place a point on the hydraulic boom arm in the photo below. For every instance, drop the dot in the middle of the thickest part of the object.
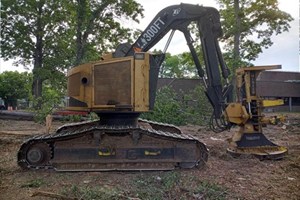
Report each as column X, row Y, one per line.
column 178, row 17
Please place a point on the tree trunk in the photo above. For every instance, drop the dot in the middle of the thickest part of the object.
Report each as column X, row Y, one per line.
column 85, row 26
column 38, row 58
column 81, row 13
column 237, row 34
column 37, row 86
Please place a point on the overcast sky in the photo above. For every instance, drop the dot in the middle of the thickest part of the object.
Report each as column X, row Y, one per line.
column 285, row 50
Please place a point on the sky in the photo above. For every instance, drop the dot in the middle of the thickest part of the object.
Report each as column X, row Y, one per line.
column 285, row 48
column 284, row 51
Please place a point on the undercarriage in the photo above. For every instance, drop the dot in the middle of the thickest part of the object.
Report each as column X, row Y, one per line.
column 101, row 146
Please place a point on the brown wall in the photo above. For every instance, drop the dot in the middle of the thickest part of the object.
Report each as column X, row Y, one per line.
column 269, row 84
column 180, row 84
column 279, row 84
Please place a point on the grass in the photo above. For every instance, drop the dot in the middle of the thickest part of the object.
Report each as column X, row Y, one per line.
column 170, row 179
column 172, row 185
column 147, row 187
column 207, row 190
column 154, row 186
column 35, row 183
column 144, row 186
column 89, row 193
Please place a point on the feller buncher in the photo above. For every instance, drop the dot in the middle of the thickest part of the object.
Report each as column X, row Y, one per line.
column 122, row 85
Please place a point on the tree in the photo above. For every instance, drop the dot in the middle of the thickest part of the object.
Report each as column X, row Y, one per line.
column 248, row 26
column 14, row 86
column 178, row 66
column 33, row 32
column 98, row 26
column 180, row 108
column 54, row 35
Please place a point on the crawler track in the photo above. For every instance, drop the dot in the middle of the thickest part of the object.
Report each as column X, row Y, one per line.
column 89, row 146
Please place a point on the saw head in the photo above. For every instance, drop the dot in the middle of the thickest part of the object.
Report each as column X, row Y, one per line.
column 247, row 114
column 258, row 145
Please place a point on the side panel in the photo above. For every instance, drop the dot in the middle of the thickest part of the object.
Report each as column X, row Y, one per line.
column 79, row 87
column 113, row 84
column 141, row 84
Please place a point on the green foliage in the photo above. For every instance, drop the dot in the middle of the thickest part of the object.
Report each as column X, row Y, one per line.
column 36, row 183
column 167, row 108
column 155, row 187
column 146, row 185
column 54, row 35
column 38, row 33
column 73, row 118
column 207, row 190
column 181, row 108
column 170, row 179
column 178, row 66
column 234, row 63
column 93, row 116
column 259, row 20
column 197, row 107
column 90, row 193
column 25, row 21
column 98, row 26
column 15, row 85
column 148, row 188
column 168, row 184
column 50, row 99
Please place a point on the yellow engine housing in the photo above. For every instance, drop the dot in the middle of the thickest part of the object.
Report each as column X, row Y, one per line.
column 120, row 84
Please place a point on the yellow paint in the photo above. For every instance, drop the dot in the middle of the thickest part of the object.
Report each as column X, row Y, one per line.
column 236, row 113
column 141, row 84
column 152, row 153
column 270, row 103
column 109, row 153
column 136, row 98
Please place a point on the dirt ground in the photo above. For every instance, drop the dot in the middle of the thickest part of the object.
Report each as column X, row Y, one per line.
column 235, row 178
